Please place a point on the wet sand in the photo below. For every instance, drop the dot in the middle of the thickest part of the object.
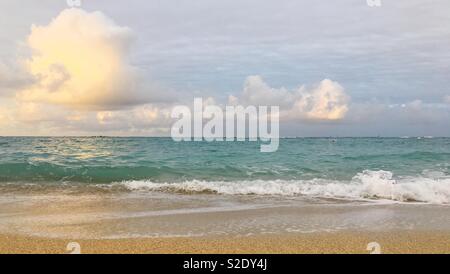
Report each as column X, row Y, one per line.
column 131, row 223
column 390, row 242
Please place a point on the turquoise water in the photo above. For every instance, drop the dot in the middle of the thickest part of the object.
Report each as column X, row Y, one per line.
column 105, row 160
column 301, row 166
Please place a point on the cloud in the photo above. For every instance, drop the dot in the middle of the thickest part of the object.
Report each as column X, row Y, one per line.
column 28, row 118
column 411, row 113
column 209, row 56
column 418, row 112
column 79, row 80
column 325, row 102
column 80, row 60
column 141, row 117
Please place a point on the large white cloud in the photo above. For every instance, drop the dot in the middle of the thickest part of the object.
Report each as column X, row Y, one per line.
column 80, row 60
column 326, row 101
column 80, row 82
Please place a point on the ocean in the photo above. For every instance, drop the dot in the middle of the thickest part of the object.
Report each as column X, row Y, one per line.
column 369, row 169
column 109, row 188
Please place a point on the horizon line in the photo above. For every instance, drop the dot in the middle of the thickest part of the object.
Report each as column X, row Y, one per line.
column 281, row 137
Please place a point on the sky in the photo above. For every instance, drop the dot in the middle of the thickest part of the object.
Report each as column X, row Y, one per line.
column 335, row 68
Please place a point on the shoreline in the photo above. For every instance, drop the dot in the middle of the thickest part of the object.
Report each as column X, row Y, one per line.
column 199, row 224
column 297, row 243
column 160, row 223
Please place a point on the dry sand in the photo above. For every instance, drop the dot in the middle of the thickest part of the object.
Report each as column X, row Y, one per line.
column 356, row 242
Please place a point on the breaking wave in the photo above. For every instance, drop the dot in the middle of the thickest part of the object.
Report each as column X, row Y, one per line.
column 374, row 185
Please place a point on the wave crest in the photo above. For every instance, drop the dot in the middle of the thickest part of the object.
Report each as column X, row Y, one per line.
column 368, row 184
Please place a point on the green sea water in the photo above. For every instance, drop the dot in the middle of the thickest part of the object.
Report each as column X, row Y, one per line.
column 406, row 169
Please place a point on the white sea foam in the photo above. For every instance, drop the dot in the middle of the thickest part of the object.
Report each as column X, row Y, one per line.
column 365, row 185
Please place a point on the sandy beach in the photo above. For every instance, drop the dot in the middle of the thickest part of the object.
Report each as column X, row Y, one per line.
column 390, row 242
column 135, row 223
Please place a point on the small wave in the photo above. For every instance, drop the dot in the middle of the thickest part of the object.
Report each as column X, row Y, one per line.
column 38, row 170
column 373, row 185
